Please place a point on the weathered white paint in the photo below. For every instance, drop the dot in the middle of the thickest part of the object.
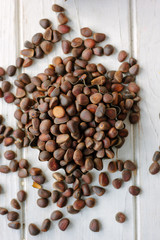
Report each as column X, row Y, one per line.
column 129, row 25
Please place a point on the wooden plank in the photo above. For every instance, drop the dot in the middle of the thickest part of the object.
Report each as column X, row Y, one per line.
column 8, row 48
column 111, row 17
column 148, row 51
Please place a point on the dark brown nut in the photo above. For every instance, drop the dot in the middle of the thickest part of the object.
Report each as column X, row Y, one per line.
column 8, row 131
column 112, row 133
column 117, row 183
column 85, row 189
column 94, row 225
column 118, row 76
column 9, row 97
column 33, row 229
column 63, row 224
column 46, row 47
column 23, row 163
column 27, row 53
column 154, row 168
column 98, row 51
column 129, row 165
column 11, row 70
column 14, row 225
column 68, row 192
column 2, row 72
column 120, row 217
column 18, row 133
column 156, row 156
column 96, row 98
column 42, row 202
column 77, row 193
column 57, row 8
column 126, row 175
column 112, row 167
column 5, row 86
column 76, row 184
column 98, row 164
column 90, row 202
column 53, row 165
column 62, row 138
column 56, row 36
column 79, row 204
column 99, row 37
column 59, row 186
column 21, row 92
column 44, row 156
column 111, row 113
column 134, row 190
column 134, row 69
column 87, row 178
column 86, row 32
column 9, row 155
column 45, row 23
column 58, row 176
column 63, row 29
column 55, row 196
column 87, row 54
column 21, row 195
column 35, row 171
column 120, row 165
column 99, row 191
column 62, row 201
column 13, row 165
column 47, row 35
column 39, row 52
column 8, row 141
column 66, row 46
column 22, row 173
column 103, row 179
column 133, row 87
column 37, row 38
column 89, row 43
column 12, row 216
column 43, row 193
column 119, row 125
column 27, row 62
column 4, row 169
column 89, row 164
column 76, row 42
column 15, row 204
column 132, row 61
column 108, row 50
column 69, row 179
column 3, row 211
column 82, row 99
column 134, row 118
column 86, row 116
column 122, row 55
column 62, row 18
column 40, row 179
column 45, row 225
column 124, row 67
column 56, row 215
column 59, row 154
column 71, row 210
column 28, row 44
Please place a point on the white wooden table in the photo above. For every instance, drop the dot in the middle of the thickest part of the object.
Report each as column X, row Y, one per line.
column 133, row 25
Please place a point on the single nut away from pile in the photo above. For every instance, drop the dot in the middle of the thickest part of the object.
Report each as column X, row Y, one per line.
column 74, row 113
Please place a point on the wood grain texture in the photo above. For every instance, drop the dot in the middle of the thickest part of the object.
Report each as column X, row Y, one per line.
column 126, row 28
column 148, row 51
column 8, row 47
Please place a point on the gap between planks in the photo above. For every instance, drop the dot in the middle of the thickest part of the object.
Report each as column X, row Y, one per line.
column 134, row 128
column 18, row 35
